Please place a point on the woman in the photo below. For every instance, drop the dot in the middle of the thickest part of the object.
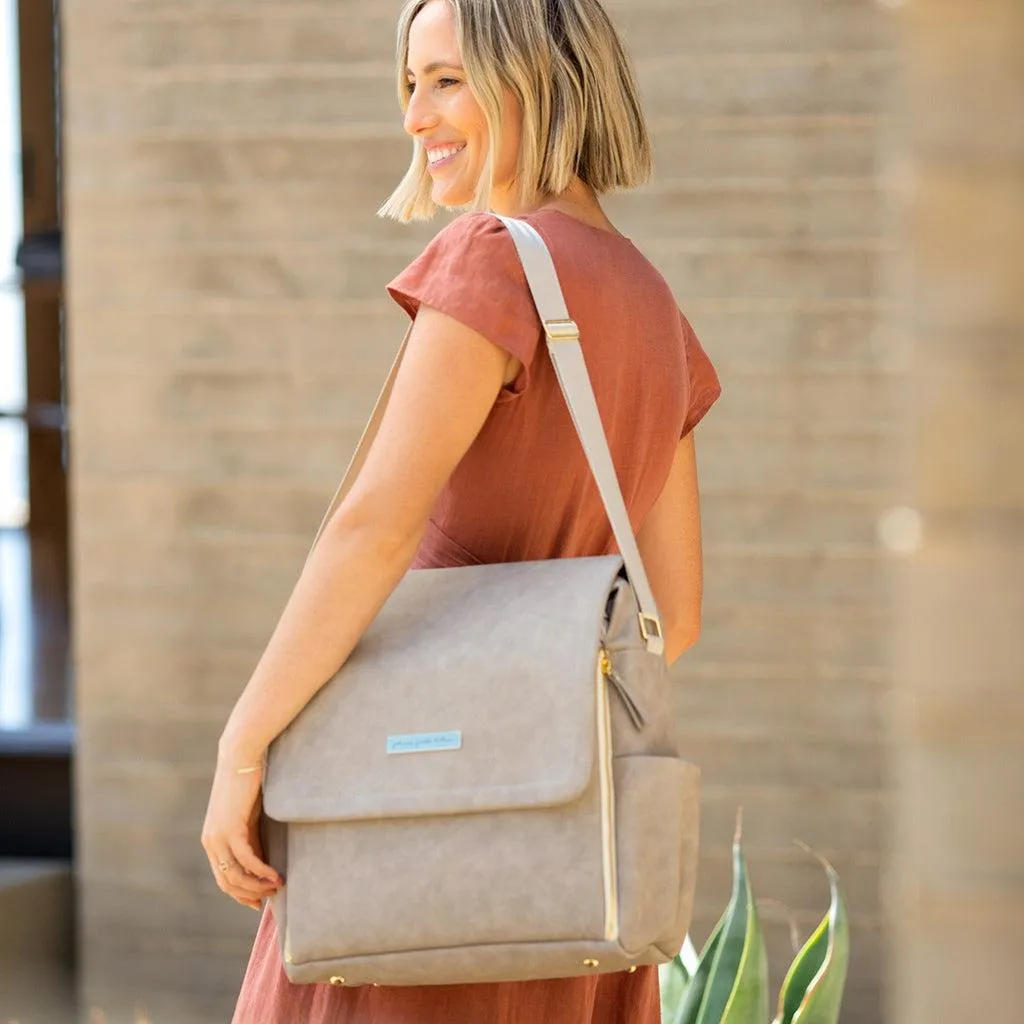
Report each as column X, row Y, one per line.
column 528, row 108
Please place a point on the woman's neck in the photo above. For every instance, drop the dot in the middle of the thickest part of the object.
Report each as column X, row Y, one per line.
column 578, row 200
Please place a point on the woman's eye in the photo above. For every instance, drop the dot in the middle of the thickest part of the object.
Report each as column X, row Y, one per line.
column 442, row 83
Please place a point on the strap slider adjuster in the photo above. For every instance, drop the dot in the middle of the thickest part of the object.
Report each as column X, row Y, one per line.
column 562, row 330
column 650, row 626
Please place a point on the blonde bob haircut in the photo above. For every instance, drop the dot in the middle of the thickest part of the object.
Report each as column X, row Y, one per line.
column 564, row 63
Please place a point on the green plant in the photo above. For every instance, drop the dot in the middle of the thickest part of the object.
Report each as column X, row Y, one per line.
column 728, row 982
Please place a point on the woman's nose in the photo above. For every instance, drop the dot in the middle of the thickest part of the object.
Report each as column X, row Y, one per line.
column 419, row 115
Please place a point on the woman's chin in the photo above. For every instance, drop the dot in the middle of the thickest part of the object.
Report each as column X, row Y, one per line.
column 451, row 197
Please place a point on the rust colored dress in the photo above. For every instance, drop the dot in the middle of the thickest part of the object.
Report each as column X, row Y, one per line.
column 524, row 491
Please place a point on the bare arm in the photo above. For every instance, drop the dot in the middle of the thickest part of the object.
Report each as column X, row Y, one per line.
column 670, row 545
column 446, row 385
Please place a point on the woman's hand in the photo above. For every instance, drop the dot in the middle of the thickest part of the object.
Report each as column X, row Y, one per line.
column 231, row 837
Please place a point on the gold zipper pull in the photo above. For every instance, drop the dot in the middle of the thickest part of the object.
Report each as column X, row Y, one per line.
column 636, row 716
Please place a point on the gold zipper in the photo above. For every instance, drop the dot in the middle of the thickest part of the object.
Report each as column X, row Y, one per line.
column 604, row 751
column 636, row 716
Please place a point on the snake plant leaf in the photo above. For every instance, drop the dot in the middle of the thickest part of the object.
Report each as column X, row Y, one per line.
column 812, row 992
column 737, row 987
column 748, row 1001
column 689, row 957
column 689, row 1008
column 673, row 981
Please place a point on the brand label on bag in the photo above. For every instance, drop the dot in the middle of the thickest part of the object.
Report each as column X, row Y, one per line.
column 420, row 743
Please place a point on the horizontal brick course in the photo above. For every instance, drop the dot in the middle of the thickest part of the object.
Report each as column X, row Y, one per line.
column 360, row 93
column 308, row 393
column 788, row 459
column 335, row 272
column 341, row 155
column 772, row 637
column 744, row 338
column 185, row 34
column 832, row 821
column 312, row 214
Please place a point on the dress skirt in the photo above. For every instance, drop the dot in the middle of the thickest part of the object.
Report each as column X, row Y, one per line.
column 268, row 997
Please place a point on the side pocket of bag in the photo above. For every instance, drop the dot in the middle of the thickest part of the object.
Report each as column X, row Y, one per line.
column 656, row 809
column 689, row 857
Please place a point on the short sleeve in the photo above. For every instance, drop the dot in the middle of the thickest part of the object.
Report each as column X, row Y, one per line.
column 705, row 387
column 472, row 272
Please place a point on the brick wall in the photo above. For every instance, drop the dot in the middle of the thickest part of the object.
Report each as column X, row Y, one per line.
column 228, row 334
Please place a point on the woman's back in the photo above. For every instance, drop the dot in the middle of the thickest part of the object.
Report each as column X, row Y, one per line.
column 524, row 489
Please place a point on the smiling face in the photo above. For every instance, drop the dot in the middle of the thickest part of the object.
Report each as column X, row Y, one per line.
column 448, row 121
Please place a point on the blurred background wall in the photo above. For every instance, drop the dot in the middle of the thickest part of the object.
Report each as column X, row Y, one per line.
column 957, row 879
column 228, row 333
column 227, row 271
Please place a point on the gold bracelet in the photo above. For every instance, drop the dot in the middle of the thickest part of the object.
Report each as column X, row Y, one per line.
column 249, row 769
